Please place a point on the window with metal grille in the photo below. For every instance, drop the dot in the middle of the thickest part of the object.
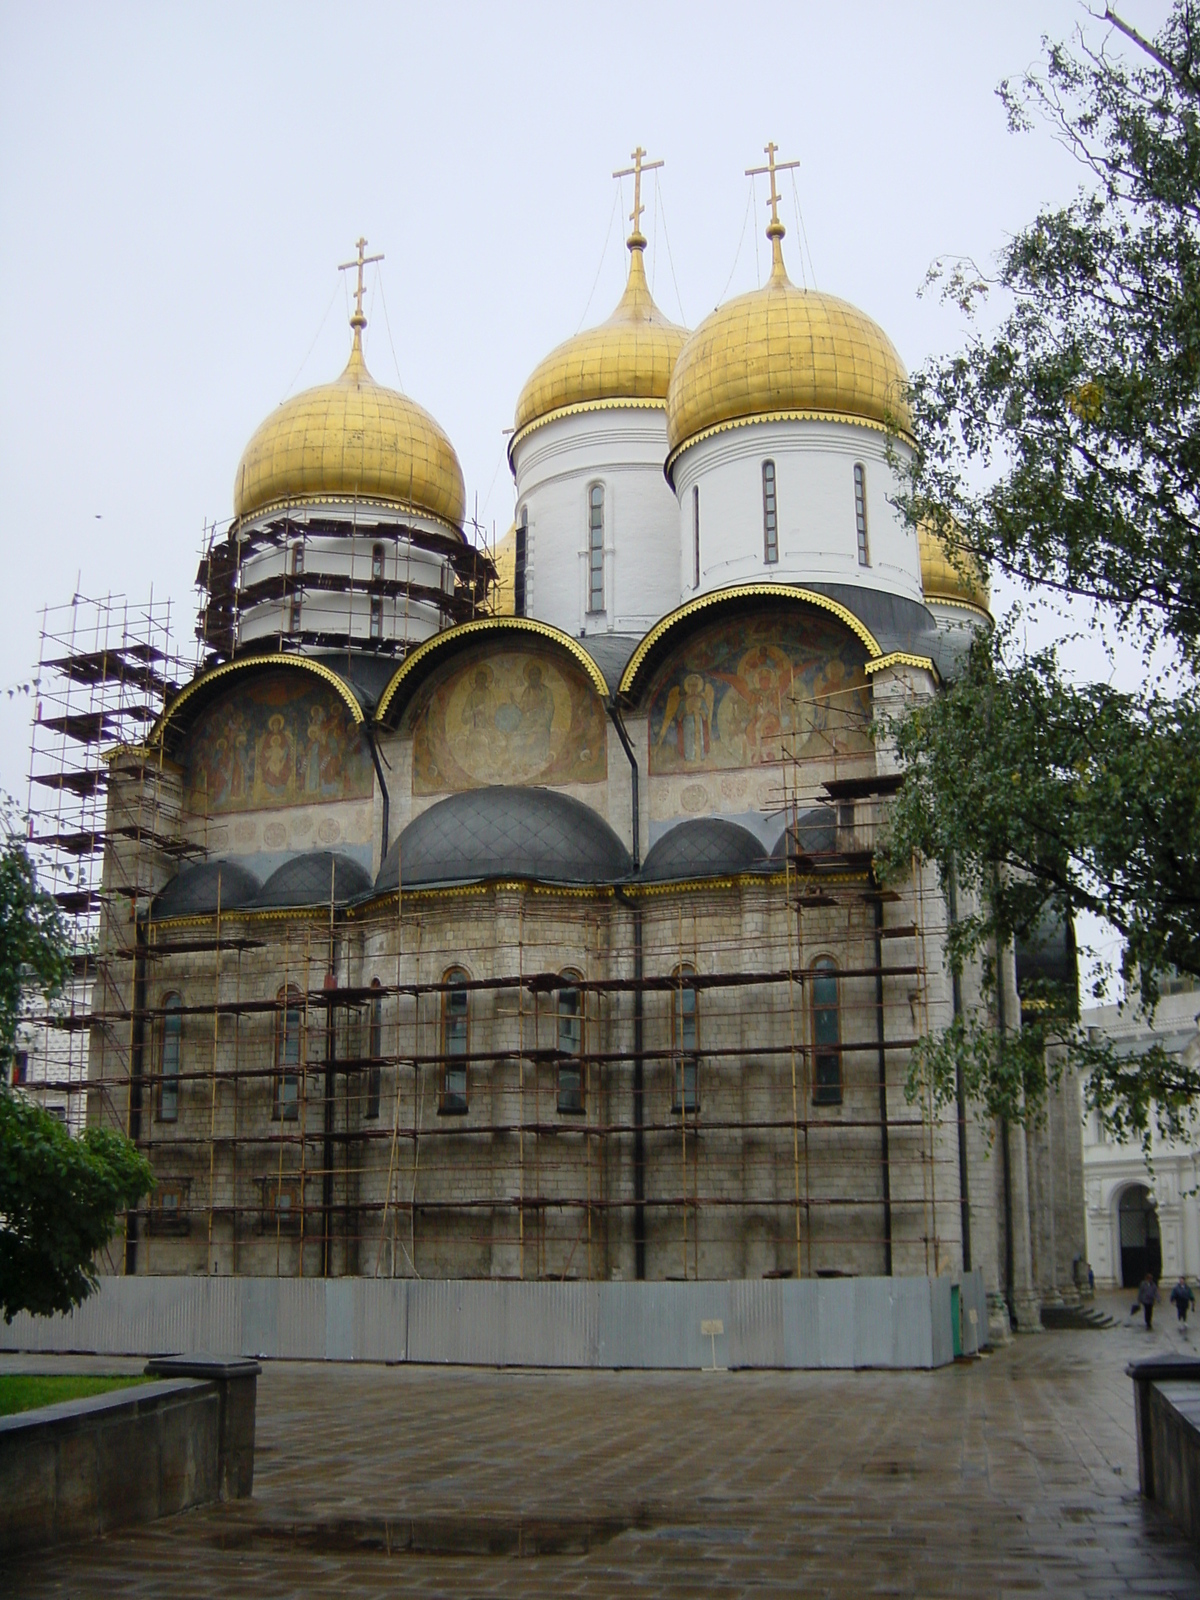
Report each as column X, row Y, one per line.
column 826, row 1033
column 521, row 562
column 696, row 537
column 685, row 1035
column 170, row 1054
column 770, row 516
column 287, row 1054
column 596, row 548
column 375, row 1051
column 455, row 1038
column 860, row 513
column 570, row 1045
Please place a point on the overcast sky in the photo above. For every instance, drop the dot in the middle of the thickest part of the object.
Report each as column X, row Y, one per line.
column 180, row 183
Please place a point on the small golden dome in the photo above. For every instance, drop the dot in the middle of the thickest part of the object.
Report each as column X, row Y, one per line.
column 504, row 595
column 626, row 360
column 351, row 439
column 782, row 352
column 958, row 579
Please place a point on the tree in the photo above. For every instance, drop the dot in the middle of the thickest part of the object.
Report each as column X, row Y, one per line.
column 59, row 1196
column 1064, row 449
column 59, row 1200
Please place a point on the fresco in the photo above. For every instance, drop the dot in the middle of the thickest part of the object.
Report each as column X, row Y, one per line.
column 280, row 739
column 756, row 690
column 504, row 715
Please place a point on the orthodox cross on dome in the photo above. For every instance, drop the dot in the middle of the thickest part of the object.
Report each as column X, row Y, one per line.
column 358, row 321
column 636, row 240
column 775, row 228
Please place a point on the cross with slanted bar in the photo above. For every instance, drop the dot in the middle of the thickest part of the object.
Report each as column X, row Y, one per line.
column 772, row 167
column 360, row 261
column 635, row 172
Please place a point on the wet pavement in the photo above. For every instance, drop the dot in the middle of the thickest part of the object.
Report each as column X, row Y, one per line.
column 1012, row 1475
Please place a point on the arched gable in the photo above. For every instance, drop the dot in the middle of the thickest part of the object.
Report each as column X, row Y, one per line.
column 269, row 740
column 508, row 707
column 765, row 676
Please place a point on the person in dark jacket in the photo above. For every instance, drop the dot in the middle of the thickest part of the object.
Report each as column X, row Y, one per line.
column 1147, row 1298
column 1182, row 1299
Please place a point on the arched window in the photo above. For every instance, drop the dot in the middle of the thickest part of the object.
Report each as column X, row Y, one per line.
column 696, row 537
column 455, row 1042
column 596, row 547
column 377, row 616
column 171, row 1054
column 570, row 1045
column 297, row 600
column 860, row 513
column 826, row 1033
column 287, row 1054
column 376, row 562
column 521, row 563
column 770, row 516
column 685, row 1033
column 374, row 1050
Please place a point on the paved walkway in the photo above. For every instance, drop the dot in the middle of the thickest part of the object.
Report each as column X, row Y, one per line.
column 1014, row 1475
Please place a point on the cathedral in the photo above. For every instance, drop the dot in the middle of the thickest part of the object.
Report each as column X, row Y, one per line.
column 513, row 913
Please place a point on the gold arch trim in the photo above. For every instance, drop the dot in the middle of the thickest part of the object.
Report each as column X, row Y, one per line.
column 483, row 625
column 616, row 403
column 779, row 416
column 366, row 502
column 900, row 658
column 255, row 664
column 740, row 591
column 960, row 604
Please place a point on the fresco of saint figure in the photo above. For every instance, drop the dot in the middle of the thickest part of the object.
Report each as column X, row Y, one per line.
column 752, row 691
column 277, row 741
column 518, row 716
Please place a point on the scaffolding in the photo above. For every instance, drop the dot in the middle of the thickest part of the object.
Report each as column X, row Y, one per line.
column 518, row 1080
column 106, row 668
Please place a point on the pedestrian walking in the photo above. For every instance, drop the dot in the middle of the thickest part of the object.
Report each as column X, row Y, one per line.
column 1183, row 1300
column 1147, row 1298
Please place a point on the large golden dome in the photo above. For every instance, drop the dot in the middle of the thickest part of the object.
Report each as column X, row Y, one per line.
column 958, row 579
column 351, row 438
column 780, row 353
column 627, row 360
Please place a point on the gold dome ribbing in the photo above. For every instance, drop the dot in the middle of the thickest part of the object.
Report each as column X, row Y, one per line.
column 781, row 352
column 959, row 581
column 351, row 438
column 628, row 358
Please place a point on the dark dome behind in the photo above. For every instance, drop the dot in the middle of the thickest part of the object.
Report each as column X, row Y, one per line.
column 306, row 880
column 814, row 833
column 704, row 847
column 506, row 832
column 194, row 891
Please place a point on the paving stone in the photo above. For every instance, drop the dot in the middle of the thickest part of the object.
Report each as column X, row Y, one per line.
column 1012, row 1476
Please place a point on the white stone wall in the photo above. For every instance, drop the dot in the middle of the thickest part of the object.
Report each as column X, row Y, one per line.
column 817, row 535
column 555, row 466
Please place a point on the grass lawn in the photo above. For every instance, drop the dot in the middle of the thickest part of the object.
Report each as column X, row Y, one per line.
column 22, row 1391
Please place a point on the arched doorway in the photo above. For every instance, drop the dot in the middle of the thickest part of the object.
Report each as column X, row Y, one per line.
column 1141, row 1246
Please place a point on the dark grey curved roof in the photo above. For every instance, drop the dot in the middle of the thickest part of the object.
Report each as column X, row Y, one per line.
column 193, row 892
column 506, row 832
column 702, row 847
column 306, row 880
column 814, row 833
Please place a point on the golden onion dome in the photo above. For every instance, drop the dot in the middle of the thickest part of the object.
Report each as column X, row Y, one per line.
column 957, row 579
column 780, row 353
column 626, row 361
column 351, row 439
